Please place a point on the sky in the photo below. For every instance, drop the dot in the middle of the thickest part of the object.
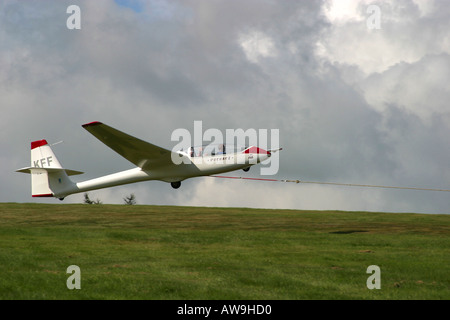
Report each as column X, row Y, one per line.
column 358, row 90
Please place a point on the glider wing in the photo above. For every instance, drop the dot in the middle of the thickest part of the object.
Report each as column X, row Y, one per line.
column 141, row 153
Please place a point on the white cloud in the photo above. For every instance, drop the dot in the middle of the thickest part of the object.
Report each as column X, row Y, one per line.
column 426, row 7
column 344, row 11
column 353, row 105
column 418, row 88
column 403, row 23
column 257, row 45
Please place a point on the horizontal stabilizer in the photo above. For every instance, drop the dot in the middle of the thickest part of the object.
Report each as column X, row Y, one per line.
column 49, row 170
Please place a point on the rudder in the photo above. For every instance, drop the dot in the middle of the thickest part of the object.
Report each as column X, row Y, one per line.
column 48, row 177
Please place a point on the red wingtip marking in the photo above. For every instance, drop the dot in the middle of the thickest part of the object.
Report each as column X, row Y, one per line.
column 42, row 195
column 38, row 143
column 94, row 123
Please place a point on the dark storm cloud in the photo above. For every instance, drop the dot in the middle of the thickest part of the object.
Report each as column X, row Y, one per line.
column 234, row 64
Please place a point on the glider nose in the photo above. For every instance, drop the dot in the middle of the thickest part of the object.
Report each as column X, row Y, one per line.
column 256, row 155
column 257, row 150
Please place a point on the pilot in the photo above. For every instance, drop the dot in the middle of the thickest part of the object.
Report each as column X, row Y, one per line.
column 199, row 151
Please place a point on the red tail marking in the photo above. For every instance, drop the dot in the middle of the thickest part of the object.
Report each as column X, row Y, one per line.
column 38, row 143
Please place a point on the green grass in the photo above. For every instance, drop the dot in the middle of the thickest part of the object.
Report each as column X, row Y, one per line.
column 164, row 252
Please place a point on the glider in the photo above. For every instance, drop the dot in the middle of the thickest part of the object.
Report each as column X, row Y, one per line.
column 50, row 179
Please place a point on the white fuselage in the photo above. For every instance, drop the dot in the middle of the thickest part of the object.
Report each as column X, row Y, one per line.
column 191, row 167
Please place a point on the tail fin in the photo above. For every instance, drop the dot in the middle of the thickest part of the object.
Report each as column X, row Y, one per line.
column 48, row 177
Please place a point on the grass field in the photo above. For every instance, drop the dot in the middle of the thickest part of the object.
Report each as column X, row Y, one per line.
column 165, row 252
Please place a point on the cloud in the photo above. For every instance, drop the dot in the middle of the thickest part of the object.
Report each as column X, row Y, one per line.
column 352, row 104
column 409, row 30
column 419, row 88
column 256, row 44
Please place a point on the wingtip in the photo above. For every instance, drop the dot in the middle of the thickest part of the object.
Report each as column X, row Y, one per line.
column 94, row 123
